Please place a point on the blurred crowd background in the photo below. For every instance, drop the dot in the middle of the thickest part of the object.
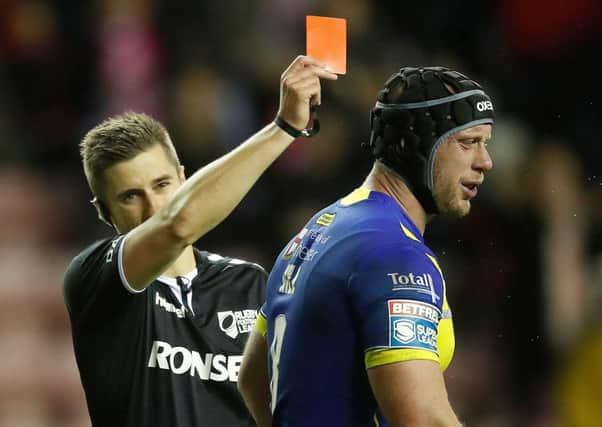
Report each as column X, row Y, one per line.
column 524, row 270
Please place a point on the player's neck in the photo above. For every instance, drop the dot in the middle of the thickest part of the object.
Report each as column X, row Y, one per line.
column 184, row 264
column 382, row 179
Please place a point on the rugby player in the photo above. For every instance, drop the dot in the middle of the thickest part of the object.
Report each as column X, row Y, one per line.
column 356, row 326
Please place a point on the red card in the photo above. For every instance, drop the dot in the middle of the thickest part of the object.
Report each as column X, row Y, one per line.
column 327, row 42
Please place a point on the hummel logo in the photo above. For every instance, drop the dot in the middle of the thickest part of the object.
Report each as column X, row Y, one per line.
column 169, row 307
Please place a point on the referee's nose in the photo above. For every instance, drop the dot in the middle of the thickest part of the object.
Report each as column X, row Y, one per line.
column 152, row 203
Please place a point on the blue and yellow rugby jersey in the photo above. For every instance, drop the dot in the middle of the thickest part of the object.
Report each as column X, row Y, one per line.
column 355, row 289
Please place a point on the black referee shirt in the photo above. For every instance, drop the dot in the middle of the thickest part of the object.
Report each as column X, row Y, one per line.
column 144, row 358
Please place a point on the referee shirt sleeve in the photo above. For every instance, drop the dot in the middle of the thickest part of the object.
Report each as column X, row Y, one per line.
column 94, row 282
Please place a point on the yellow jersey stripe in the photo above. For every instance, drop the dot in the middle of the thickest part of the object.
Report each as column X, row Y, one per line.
column 325, row 219
column 261, row 324
column 445, row 306
column 376, row 423
column 384, row 356
column 408, row 233
column 355, row 196
column 435, row 263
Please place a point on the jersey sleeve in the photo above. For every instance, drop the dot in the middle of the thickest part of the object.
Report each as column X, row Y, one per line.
column 397, row 296
column 261, row 324
column 95, row 281
column 258, row 299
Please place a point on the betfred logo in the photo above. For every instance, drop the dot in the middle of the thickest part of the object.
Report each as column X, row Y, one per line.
column 207, row 367
column 484, row 106
column 400, row 307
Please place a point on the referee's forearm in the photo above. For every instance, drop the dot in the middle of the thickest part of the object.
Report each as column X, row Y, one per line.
column 211, row 193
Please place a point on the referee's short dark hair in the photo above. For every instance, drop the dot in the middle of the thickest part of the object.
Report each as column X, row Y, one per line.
column 120, row 138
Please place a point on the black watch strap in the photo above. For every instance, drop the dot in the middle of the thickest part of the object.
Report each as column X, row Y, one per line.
column 296, row 133
column 285, row 126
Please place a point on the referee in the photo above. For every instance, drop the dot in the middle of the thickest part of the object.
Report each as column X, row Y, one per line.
column 159, row 327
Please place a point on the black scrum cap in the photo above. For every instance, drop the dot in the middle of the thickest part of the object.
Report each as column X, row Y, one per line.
column 414, row 113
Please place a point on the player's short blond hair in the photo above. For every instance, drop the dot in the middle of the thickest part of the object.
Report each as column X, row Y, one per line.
column 120, row 138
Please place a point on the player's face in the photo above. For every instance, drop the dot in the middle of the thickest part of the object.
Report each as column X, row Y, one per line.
column 460, row 166
column 137, row 188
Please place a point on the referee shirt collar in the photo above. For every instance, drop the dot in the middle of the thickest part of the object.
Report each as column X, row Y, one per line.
column 172, row 283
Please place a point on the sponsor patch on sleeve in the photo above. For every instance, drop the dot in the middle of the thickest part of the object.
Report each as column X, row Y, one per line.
column 413, row 324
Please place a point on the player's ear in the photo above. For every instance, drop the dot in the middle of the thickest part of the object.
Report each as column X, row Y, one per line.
column 102, row 211
column 181, row 173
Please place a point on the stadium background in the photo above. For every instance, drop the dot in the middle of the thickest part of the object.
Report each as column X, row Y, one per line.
column 524, row 271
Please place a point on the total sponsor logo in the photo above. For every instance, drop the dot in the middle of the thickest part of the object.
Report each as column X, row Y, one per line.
column 169, row 307
column 182, row 361
column 413, row 324
column 422, row 283
column 234, row 322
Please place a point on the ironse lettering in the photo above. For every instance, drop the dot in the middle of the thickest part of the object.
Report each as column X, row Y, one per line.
column 180, row 360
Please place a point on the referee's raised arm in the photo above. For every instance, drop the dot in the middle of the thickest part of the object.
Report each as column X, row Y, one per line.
column 159, row 326
column 166, row 222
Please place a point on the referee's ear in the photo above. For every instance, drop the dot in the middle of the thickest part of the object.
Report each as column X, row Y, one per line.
column 102, row 211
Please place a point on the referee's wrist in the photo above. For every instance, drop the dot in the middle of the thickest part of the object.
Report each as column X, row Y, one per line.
column 287, row 127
